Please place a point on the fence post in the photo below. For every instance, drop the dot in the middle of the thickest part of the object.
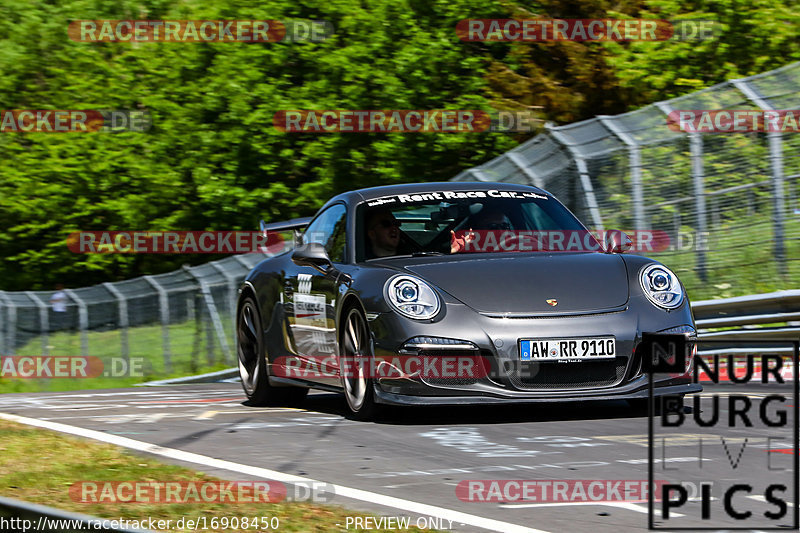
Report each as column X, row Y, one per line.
column 233, row 290
column 10, row 338
column 776, row 156
column 635, row 162
column 477, row 174
column 163, row 305
column 196, row 317
column 517, row 160
column 583, row 172
column 776, row 163
column 83, row 321
column 588, row 191
column 123, row 318
column 214, row 315
column 210, row 327
column 190, row 312
column 44, row 320
column 635, row 156
column 698, row 178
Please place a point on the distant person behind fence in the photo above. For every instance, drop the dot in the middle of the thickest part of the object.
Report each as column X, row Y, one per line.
column 59, row 303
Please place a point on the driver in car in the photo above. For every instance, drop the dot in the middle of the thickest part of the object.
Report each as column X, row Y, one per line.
column 383, row 231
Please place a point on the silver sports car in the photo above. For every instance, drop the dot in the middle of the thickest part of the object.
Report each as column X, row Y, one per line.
column 454, row 293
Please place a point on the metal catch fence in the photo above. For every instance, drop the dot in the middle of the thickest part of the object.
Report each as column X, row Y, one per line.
column 180, row 322
column 728, row 202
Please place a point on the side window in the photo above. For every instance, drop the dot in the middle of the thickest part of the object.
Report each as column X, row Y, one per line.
column 329, row 230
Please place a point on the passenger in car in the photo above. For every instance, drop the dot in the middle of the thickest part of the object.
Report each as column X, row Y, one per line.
column 492, row 219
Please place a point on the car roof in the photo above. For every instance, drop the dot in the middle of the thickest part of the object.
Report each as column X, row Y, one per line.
column 371, row 193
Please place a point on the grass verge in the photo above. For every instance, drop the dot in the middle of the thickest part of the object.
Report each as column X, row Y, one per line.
column 191, row 352
column 40, row 466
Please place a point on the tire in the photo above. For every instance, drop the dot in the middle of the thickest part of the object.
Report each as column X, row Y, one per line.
column 252, row 358
column 355, row 358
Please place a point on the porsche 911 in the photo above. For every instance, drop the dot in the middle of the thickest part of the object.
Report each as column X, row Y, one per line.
column 450, row 294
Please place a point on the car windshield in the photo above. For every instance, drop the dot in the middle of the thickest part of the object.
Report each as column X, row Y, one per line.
column 454, row 222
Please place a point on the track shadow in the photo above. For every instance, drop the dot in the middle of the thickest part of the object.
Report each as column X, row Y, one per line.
column 335, row 405
column 508, row 413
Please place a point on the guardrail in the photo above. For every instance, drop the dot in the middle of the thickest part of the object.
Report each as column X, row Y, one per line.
column 775, row 307
column 16, row 515
column 780, row 309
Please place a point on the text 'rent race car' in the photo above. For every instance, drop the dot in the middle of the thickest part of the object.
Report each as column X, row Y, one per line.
column 454, row 293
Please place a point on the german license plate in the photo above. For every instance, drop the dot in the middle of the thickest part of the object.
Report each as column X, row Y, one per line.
column 568, row 349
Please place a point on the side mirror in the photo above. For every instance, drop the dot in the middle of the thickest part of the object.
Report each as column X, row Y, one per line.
column 297, row 237
column 313, row 254
column 617, row 242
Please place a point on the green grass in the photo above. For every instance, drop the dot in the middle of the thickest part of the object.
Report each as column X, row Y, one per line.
column 739, row 261
column 40, row 466
column 189, row 349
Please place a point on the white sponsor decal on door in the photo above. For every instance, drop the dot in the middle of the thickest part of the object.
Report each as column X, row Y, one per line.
column 309, row 310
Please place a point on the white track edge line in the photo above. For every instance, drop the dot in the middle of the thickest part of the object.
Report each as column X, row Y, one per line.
column 347, row 492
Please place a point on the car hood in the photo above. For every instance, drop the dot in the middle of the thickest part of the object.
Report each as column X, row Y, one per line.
column 522, row 284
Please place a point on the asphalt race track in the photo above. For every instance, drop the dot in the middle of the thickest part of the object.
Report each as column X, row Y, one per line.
column 421, row 454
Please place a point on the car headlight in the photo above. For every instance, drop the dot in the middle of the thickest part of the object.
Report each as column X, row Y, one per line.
column 691, row 336
column 689, row 331
column 661, row 286
column 412, row 297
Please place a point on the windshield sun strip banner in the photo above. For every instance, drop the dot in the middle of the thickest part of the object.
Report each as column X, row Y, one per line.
column 432, row 196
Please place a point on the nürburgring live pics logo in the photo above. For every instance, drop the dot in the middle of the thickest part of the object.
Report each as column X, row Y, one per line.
column 747, row 462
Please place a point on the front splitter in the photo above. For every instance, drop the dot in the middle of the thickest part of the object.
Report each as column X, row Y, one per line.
column 390, row 398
